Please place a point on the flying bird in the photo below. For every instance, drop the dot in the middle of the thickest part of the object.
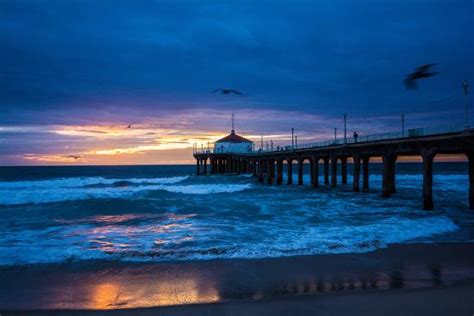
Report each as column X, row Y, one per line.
column 74, row 156
column 419, row 73
column 130, row 125
column 227, row 91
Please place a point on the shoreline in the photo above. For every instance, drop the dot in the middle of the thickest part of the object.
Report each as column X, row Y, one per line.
column 145, row 286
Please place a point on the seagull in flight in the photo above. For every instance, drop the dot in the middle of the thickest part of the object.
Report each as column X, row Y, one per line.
column 419, row 73
column 227, row 91
column 130, row 125
column 74, row 156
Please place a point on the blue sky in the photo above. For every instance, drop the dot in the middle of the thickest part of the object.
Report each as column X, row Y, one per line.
column 73, row 73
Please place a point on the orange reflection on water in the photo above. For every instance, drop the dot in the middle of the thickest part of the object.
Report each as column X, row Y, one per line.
column 115, row 219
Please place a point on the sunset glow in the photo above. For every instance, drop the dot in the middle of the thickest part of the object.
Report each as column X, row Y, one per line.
column 157, row 142
column 57, row 102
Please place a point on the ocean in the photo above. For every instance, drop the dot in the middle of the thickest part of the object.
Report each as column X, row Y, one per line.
column 166, row 213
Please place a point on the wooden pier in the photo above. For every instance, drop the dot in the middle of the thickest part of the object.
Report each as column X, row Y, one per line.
column 267, row 166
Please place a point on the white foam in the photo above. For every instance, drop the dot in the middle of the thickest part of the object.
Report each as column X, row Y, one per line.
column 66, row 189
column 276, row 222
column 138, row 243
column 85, row 181
column 207, row 188
column 324, row 239
column 49, row 191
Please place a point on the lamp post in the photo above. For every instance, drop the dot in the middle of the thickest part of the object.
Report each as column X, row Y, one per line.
column 403, row 125
column 345, row 128
column 465, row 86
column 296, row 142
column 335, row 133
column 292, row 138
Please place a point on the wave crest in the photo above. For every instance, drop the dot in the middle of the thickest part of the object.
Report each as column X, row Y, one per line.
column 207, row 188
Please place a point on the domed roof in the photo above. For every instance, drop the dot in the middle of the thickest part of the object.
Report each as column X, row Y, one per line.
column 234, row 138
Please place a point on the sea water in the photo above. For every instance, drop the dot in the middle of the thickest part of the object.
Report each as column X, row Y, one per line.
column 166, row 213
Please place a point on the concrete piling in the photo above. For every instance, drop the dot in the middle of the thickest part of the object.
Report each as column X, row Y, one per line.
column 326, row 170
column 333, row 172
column 355, row 177
column 289, row 170
column 365, row 180
column 271, row 171
column 279, row 177
column 300, row 171
column 260, row 171
column 315, row 172
column 470, row 158
column 428, row 180
column 344, row 170
column 388, row 178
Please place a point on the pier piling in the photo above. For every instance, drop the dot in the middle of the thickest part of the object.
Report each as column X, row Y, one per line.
column 279, row 166
column 300, row 171
column 326, row 171
column 388, row 178
column 428, row 180
column 264, row 164
column 289, row 171
column 470, row 158
column 365, row 180
column 344, row 170
column 271, row 171
column 355, row 177
column 333, row 172
column 315, row 172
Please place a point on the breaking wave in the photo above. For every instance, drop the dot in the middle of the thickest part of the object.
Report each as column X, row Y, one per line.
column 170, row 217
column 185, row 239
column 207, row 188
column 49, row 191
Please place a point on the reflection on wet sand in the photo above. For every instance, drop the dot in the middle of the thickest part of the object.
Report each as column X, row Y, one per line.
column 104, row 296
column 178, row 291
column 164, row 285
column 112, row 285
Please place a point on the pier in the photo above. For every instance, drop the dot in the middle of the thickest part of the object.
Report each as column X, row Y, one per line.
column 268, row 165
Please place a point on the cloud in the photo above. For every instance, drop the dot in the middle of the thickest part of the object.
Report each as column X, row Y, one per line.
column 97, row 143
column 74, row 73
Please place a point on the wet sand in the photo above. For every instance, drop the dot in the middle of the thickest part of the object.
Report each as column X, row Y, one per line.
column 430, row 279
column 456, row 300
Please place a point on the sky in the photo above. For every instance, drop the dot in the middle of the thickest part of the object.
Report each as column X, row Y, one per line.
column 74, row 74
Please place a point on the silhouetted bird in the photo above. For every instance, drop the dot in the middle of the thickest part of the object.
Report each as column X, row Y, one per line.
column 420, row 72
column 74, row 156
column 227, row 91
column 130, row 125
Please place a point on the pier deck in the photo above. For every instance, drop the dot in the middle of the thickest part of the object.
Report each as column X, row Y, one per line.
column 268, row 165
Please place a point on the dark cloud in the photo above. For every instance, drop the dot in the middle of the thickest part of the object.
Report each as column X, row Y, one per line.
column 327, row 56
column 89, row 62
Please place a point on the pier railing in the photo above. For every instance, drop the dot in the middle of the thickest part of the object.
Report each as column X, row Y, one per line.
column 409, row 133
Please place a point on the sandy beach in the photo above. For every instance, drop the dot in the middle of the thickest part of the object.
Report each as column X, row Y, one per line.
column 430, row 279
column 440, row 301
